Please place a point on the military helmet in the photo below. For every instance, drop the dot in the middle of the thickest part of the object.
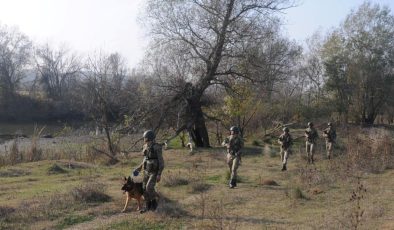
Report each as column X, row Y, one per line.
column 235, row 129
column 149, row 134
column 329, row 124
column 310, row 124
column 285, row 129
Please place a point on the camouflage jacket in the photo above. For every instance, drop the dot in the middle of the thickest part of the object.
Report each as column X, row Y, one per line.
column 311, row 135
column 285, row 140
column 330, row 134
column 153, row 158
column 234, row 145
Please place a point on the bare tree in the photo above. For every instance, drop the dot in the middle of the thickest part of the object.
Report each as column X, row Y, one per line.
column 57, row 69
column 212, row 36
column 102, row 93
column 15, row 52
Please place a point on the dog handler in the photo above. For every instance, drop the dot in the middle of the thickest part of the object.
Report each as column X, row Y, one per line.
column 153, row 165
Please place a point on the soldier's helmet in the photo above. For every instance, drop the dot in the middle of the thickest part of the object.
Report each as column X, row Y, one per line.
column 329, row 124
column 285, row 129
column 235, row 129
column 149, row 135
column 310, row 124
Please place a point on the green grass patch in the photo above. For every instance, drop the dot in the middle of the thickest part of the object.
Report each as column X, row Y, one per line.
column 73, row 220
column 214, row 178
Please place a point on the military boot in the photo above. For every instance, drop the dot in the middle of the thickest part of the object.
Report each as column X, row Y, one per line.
column 148, row 207
column 284, row 167
column 154, row 205
column 232, row 183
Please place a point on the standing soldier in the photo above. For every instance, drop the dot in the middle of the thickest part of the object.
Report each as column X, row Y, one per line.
column 153, row 165
column 234, row 144
column 311, row 136
column 330, row 134
column 285, row 142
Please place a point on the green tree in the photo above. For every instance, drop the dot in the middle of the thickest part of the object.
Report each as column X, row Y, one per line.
column 358, row 60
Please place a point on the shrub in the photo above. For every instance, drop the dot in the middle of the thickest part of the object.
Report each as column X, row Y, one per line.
column 295, row 193
column 5, row 211
column 90, row 193
column 198, row 187
column 175, row 179
column 56, row 169
column 256, row 143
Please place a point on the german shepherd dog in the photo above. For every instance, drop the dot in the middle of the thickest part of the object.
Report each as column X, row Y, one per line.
column 132, row 190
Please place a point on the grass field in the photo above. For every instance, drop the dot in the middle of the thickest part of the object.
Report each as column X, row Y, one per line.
column 194, row 194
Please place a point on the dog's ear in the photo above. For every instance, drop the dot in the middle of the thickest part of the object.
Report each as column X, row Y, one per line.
column 129, row 179
column 125, row 179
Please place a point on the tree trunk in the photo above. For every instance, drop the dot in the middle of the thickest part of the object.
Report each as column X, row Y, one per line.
column 200, row 132
column 369, row 119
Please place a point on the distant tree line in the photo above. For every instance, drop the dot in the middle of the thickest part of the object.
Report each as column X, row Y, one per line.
column 211, row 64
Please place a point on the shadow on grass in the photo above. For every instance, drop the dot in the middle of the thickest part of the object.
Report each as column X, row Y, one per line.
column 170, row 208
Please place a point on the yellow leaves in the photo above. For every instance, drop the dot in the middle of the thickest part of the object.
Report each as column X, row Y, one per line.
column 241, row 102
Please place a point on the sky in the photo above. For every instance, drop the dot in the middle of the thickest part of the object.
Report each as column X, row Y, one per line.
column 87, row 26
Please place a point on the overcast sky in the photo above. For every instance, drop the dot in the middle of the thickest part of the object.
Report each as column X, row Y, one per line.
column 111, row 25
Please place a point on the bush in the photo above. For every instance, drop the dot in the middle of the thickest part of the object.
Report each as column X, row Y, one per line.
column 90, row 193
column 256, row 143
column 56, row 169
column 5, row 211
column 198, row 187
column 175, row 179
column 295, row 193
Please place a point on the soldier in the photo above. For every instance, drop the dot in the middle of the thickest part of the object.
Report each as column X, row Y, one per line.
column 330, row 134
column 234, row 144
column 153, row 165
column 311, row 136
column 285, row 142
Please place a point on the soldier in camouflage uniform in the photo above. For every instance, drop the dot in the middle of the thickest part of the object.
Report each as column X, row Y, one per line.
column 311, row 136
column 234, row 144
column 153, row 165
column 285, row 142
column 330, row 135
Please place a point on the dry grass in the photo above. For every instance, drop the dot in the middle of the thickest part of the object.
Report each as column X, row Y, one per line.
column 195, row 195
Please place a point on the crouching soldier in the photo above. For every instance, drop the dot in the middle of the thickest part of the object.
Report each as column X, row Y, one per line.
column 234, row 144
column 330, row 135
column 153, row 165
column 311, row 137
column 285, row 142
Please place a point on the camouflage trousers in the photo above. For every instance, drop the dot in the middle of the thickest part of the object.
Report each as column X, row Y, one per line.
column 233, row 164
column 149, row 184
column 284, row 154
column 329, row 146
column 310, row 150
